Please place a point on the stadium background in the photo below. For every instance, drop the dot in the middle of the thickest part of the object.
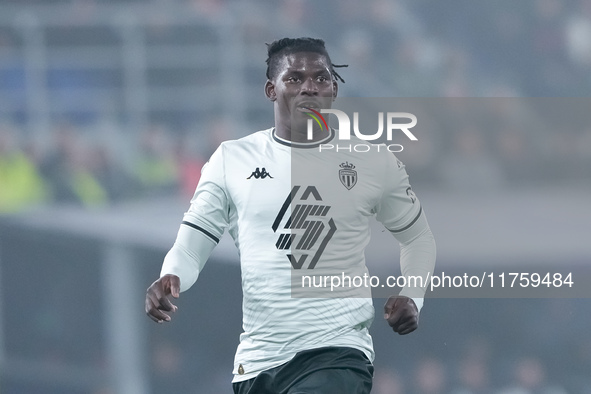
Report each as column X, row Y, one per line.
column 108, row 109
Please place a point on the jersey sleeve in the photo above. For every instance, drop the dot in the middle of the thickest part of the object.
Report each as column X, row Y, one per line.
column 187, row 256
column 203, row 224
column 400, row 211
column 209, row 210
column 399, row 208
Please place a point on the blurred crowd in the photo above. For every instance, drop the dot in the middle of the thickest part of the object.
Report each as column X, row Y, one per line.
column 92, row 169
column 416, row 48
column 490, row 355
column 394, row 48
column 503, row 147
column 471, row 375
column 460, row 48
column 474, row 349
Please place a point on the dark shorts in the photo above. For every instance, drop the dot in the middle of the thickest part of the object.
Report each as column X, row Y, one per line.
column 326, row 370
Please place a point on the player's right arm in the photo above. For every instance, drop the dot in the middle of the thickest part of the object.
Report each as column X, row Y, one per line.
column 199, row 233
column 157, row 301
column 180, row 270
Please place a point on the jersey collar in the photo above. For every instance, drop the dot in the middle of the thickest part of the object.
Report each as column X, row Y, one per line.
column 303, row 145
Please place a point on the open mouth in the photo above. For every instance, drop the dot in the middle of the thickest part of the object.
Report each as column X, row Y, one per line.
column 308, row 107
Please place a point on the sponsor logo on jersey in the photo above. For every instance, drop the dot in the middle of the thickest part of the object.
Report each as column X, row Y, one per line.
column 258, row 173
column 348, row 175
column 308, row 228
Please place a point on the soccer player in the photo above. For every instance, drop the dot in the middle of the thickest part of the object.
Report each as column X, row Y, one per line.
column 294, row 209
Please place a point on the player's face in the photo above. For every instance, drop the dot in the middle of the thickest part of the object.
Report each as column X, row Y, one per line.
column 303, row 81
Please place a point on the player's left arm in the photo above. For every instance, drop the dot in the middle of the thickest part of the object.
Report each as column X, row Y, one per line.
column 402, row 214
column 417, row 261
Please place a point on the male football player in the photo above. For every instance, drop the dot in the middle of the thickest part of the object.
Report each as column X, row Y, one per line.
column 295, row 209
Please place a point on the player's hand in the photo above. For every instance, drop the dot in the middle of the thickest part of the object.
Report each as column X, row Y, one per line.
column 157, row 299
column 402, row 314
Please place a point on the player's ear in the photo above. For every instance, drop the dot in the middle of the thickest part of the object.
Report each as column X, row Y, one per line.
column 270, row 91
column 335, row 90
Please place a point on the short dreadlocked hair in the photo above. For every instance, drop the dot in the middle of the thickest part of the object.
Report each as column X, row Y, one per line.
column 279, row 48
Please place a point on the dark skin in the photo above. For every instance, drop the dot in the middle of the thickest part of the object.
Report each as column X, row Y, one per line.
column 402, row 314
column 303, row 80
column 158, row 298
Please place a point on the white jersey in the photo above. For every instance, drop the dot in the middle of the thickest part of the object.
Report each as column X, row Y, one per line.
column 295, row 209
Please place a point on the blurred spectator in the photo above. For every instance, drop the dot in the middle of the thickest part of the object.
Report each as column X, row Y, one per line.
column 530, row 378
column 470, row 166
column 67, row 169
column 211, row 9
column 359, row 54
column 190, row 162
column 576, row 372
column 20, row 183
column 156, row 168
column 394, row 16
column 111, row 174
column 292, row 14
column 169, row 368
column 387, row 381
column 459, row 75
column 430, row 377
column 473, row 377
column 413, row 66
column 578, row 34
column 218, row 130
column 513, row 127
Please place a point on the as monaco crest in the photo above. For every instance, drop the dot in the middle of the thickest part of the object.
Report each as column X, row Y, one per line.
column 348, row 175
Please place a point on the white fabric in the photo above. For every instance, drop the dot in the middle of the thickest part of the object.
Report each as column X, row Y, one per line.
column 187, row 256
column 280, row 318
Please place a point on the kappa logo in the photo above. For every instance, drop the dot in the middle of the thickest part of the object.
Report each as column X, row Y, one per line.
column 348, row 175
column 308, row 228
column 260, row 174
